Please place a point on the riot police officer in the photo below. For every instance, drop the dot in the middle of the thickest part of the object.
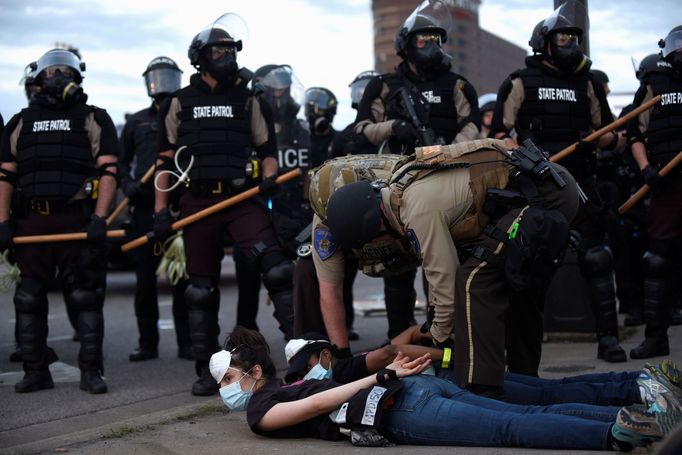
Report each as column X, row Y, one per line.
column 59, row 131
column 320, row 108
column 486, row 106
column 443, row 101
column 139, row 144
column 215, row 123
column 554, row 102
column 346, row 141
column 656, row 138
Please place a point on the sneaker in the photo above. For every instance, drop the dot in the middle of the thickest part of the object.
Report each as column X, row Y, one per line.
column 650, row 387
column 670, row 370
column 659, row 376
column 636, row 426
column 667, row 410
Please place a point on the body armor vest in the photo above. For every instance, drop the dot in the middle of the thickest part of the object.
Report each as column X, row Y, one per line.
column 216, row 129
column 145, row 139
column 664, row 135
column 386, row 258
column 440, row 95
column 487, row 169
column 54, row 155
column 555, row 113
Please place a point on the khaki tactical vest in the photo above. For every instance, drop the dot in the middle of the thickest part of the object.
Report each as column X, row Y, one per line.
column 487, row 169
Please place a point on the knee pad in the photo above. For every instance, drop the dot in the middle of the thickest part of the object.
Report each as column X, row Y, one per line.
column 597, row 260
column 279, row 277
column 80, row 299
column 200, row 292
column 30, row 296
column 655, row 265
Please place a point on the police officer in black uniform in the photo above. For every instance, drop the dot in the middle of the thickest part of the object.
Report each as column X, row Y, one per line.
column 216, row 123
column 655, row 138
column 139, row 146
column 346, row 141
column 60, row 154
column 320, row 109
column 554, row 102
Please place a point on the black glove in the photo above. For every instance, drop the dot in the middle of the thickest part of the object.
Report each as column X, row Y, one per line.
column 96, row 229
column 6, row 234
column 404, row 132
column 162, row 224
column 652, row 177
column 268, row 187
column 586, row 147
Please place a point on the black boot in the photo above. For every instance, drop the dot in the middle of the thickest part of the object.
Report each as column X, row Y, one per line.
column 34, row 380
column 205, row 385
column 651, row 347
column 16, row 356
column 675, row 316
column 609, row 350
column 284, row 312
column 142, row 353
column 91, row 381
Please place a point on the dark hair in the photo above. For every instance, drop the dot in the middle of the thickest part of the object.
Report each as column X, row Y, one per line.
column 250, row 349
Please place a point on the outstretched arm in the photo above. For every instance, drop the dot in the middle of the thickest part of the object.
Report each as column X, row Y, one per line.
column 284, row 415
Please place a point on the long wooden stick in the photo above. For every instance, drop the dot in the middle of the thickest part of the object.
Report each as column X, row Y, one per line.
column 126, row 200
column 210, row 210
column 627, row 205
column 611, row 126
column 48, row 238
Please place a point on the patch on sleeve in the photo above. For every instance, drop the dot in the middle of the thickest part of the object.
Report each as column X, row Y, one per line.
column 325, row 245
column 414, row 242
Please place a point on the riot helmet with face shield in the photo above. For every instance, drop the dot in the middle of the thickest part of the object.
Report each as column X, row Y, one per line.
column 652, row 63
column 162, row 77
column 671, row 48
column 58, row 73
column 419, row 40
column 214, row 49
column 284, row 93
column 29, row 82
column 320, row 108
column 357, row 87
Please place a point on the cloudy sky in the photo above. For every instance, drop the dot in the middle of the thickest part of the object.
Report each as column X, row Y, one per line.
column 326, row 42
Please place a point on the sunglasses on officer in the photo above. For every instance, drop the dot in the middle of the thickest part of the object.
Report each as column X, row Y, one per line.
column 420, row 40
column 562, row 38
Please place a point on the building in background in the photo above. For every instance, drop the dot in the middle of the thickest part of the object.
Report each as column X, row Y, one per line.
column 480, row 56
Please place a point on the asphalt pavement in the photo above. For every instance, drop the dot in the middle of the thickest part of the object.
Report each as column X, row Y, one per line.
column 149, row 408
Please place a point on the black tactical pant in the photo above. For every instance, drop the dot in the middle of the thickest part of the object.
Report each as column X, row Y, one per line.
column 248, row 289
column 82, row 282
column 146, row 290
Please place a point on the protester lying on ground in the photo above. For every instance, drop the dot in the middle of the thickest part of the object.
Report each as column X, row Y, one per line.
column 400, row 406
column 312, row 357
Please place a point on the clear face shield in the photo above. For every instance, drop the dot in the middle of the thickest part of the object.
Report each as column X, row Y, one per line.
column 284, row 92
column 229, row 27
column 434, row 12
column 162, row 80
column 357, row 87
column 573, row 12
column 671, row 43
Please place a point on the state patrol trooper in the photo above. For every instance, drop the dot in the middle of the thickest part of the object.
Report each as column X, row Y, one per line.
column 55, row 132
column 656, row 138
column 442, row 99
column 506, row 212
column 554, row 102
column 139, row 140
column 216, row 123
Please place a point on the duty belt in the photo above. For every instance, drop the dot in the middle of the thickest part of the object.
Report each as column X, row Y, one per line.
column 211, row 188
column 51, row 207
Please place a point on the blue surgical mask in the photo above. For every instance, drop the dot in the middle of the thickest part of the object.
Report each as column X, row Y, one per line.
column 318, row 372
column 234, row 397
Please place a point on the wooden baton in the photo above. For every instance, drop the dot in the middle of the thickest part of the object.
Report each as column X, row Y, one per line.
column 210, row 210
column 611, row 126
column 48, row 238
column 627, row 205
column 126, row 200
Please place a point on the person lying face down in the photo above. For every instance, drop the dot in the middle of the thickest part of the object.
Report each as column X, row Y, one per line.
column 410, row 408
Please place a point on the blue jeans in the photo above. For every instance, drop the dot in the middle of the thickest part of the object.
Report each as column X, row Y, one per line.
column 432, row 411
column 604, row 389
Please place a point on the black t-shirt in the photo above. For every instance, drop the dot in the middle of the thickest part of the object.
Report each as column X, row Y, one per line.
column 350, row 369
column 273, row 392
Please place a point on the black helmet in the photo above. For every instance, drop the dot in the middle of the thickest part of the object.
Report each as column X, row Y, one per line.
column 564, row 19
column 320, row 108
column 59, row 58
column 671, row 48
column 652, row 63
column 357, row 87
column 430, row 16
column 214, row 49
column 58, row 73
column 283, row 90
column 354, row 214
column 599, row 76
column 162, row 77
column 29, row 81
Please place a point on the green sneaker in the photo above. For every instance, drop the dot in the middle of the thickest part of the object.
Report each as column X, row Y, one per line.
column 657, row 374
column 667, row 410
column 636, row 426
column 670, row 370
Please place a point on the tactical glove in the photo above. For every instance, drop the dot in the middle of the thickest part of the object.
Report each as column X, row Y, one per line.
column 96, row 229
column 404, row 132
column 6, row 234
column 134, row 191
column 652, row 177
column 162, row 224
column 268, row 188
column 586, row 147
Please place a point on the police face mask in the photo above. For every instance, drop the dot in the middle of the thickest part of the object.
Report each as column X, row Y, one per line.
column 61, row 89
column 318, row 372
column 234, row 397
column 566, row 54
column 222, row 63
column 425, row 52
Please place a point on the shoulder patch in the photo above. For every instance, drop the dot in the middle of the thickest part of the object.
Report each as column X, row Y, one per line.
column 414, row 242
column 324, row 242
